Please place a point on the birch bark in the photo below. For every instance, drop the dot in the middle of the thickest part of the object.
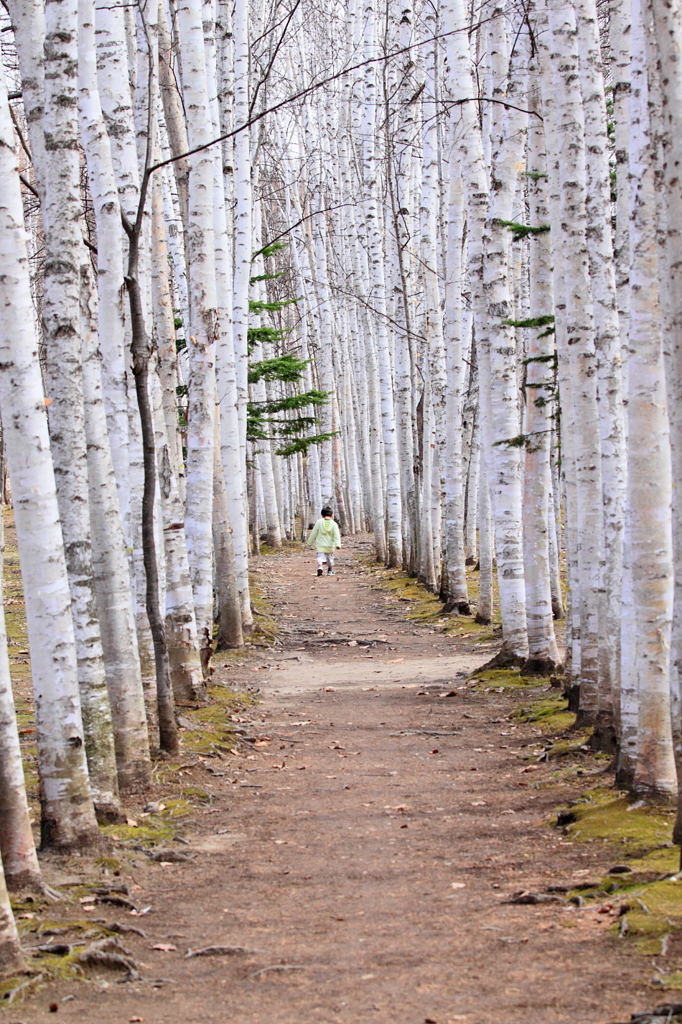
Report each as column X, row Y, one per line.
column 609, row 377
column 497, row 343
column 456, row 596
column 17, row 849
column 202, row 335
column 543, row 654
column 68, row 818
column 240, row 302
column 105, row 377
column 181, row 627
column 11, row 957
column 668, row 27
column 649, row 487
column 64, row 251
column 579, row 353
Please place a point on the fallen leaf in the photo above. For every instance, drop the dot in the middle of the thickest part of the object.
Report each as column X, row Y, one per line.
column 135, row 1020
column 131, row 823
column 458, row 885
column 165, row 947
column 394, row 661
column 478, row 803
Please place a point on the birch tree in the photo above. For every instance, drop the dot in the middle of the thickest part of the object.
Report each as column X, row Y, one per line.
column 67, row 812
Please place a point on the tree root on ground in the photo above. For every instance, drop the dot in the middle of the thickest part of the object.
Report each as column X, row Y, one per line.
column 110, row 953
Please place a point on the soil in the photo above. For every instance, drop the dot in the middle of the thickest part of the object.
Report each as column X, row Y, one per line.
column 360, row 855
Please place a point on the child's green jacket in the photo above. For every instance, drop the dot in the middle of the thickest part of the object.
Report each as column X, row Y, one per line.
column 324, row 535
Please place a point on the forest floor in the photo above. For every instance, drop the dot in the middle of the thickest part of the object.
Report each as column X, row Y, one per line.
column 357, row 851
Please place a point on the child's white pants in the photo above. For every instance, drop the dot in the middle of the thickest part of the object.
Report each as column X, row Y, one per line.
column 325, row 558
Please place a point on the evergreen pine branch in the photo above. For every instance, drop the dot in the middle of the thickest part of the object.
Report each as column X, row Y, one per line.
column 302, row 444
column 285, row 368
column 257, row 307
column 270, row 250
column 266, row 277
column 520, row 231
column 538, row 321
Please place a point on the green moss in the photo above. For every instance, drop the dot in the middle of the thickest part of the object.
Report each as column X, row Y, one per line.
column 108, row 862
column 643, row 925
column 196, row 793
column 609, row 818
column 672, row 982
column 662, row 862
column 664, row 898
column 149, row 831
column 551, row 715
column 570, row 745
column 505, row 679
column 562, row 721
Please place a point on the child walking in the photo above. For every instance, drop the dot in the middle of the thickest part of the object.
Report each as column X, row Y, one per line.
column 326, row 538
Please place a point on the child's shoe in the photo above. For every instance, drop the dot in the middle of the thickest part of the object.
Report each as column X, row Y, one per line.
column 330, row 572
column 319, row 572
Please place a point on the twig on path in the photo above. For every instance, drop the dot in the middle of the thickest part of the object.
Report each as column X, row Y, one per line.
column 527, row 898
column 278, row 967
column 223, row 951
column 426, row 732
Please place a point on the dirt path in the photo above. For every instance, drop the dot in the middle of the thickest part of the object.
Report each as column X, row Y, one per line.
column 363, row 852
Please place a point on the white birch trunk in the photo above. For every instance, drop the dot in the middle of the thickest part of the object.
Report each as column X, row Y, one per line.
column 609, row 380
column 11, row 957
column 181, row 627
column 497, row 344
column 543, row 654
column 484, row 610
column 104, row 377
column 66, row 414
column 577, row 348
column 106, row 209
column 17, row 849
column 68, row 818
column 668, row 27
column 649, row 488
column 456, row 596
column 240, row 302
column 202, row 333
